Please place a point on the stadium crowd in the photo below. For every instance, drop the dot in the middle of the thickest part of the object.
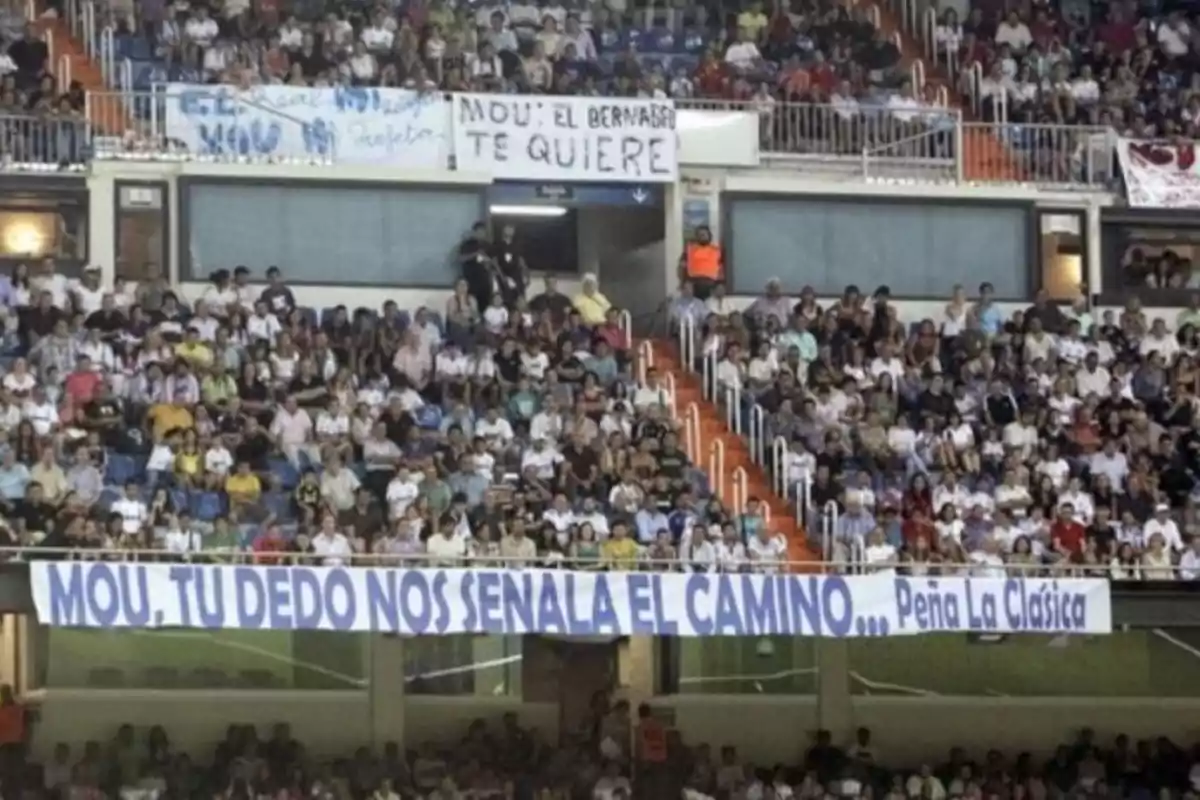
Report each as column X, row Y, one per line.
column 505, row 760
column 1048, row 437
column 505, row 427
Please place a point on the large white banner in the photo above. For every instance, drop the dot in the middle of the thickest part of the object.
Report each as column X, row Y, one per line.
column 518, row 601
column 1160, row 174
column 543, row 138
column 396, row 127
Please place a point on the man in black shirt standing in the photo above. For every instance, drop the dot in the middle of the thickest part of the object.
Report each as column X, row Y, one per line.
column 478, row 268
column 510, row 265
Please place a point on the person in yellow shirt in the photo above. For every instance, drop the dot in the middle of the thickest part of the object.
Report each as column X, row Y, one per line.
column 753, row 21
column 619, row 551
column 590, row 303
column 243, row 487
column 167, row 417
column 193, row 350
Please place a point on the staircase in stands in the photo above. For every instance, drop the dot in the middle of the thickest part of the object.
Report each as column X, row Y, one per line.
column 985, row 158
column 109, row 117
column 714, row 434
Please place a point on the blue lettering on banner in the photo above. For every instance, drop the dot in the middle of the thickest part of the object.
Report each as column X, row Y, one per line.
column 395, row 127
column 441, row 601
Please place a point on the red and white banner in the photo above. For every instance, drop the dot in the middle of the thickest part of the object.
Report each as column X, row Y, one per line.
column 1160, row 174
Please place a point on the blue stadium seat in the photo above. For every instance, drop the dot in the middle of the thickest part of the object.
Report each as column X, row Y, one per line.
column 283, row 471
column 207, row 506
column 122, row 469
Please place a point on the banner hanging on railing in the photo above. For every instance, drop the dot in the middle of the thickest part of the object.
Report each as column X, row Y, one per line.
column 542, row 138
column 520, row 601
column 1160, row 174
column 394, row 127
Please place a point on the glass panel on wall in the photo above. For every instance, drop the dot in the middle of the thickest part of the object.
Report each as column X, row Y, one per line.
column 385, row 237
column 745, row 665
column 917, row 249
column 1159, row 258
column 463, row 664
column 142, row 233
column 201, row 659
column 1060, row 239
column 1144, row 663
column 58, row 232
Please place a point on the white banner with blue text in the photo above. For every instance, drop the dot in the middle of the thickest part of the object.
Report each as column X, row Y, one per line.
column 510, row 601
column 352, row 125
column 542, row 138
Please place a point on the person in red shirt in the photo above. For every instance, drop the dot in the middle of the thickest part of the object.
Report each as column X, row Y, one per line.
column 918, row 526
column 269, row 545
column 1067, row 535
column 82, row 384
column 710, row 78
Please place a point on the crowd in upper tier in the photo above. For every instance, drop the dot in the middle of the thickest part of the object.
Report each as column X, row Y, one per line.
column 1042, row 436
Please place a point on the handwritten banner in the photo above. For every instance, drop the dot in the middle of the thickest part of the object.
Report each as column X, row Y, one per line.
column 446, row 601
column 352, row 125
column 1160, row 174
column 519, row 137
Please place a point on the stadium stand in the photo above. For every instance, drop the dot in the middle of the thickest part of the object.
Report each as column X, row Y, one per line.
column 961, row 442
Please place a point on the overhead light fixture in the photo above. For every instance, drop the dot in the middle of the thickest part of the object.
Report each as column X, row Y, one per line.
column 529, row 211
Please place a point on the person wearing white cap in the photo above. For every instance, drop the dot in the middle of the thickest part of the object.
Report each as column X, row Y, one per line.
column 591, row 304
column 1161, row 523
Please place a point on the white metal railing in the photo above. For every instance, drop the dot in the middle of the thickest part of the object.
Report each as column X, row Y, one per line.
column 758, row 434
column 625, row 320
column 645, row 360
column 669, row 383
column 918, row 76
column 716, row 466
column 64, row 72
column 798, row 131
column 108, row 56
column 732, row 394
column 708, row 364
column 830, row 517
column 804, row 503
column 740, row 490
column 692, row 442
column 779, row 459
column 929, row 31
column 361, row 560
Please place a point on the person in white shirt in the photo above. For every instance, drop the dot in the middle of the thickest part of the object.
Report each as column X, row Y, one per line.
column 1092, row 378
column 1011, row 497
column 950, row 492
column 402, row 491
column 1039, row 345
column 542, row 459
column 496, row 430
column 1189, row 562
column 331, row 545
column 901, row 438
column 1014, row 33
column 180, row 541
column 766, row 550
column 1162, row 524
column 132, row 510
column 698, row 552
column 652, row 393
column 447, row 545
column 377, row 37
column 886, row 363
column 1112, row 463
column 201, row 29
column 1159, row 340
column 361, row 66
column 218, row 461
column 878, row 555
column 262, row 325
column 1021, row 436
column 292, row 428
column 743, row 54
column 1174, row 35
column 1079, row 500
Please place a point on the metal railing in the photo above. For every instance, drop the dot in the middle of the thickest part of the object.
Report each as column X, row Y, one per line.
column 902, row 140
column 416, row 560
column 51, row 140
